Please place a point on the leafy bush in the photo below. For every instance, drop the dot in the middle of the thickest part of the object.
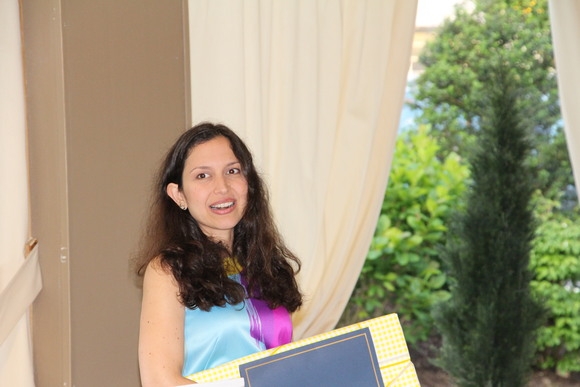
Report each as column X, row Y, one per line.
column 555, row 261
column 402, row 271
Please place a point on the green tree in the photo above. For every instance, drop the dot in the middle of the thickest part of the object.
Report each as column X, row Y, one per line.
column 489, row 323
column 449, row 93
column 402, row 271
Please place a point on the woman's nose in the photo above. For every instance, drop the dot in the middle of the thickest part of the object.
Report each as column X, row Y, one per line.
column 221, row 184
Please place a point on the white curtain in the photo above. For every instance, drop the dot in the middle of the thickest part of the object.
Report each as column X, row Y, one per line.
column 19, row 277
column 565, row 24
column 316, row 88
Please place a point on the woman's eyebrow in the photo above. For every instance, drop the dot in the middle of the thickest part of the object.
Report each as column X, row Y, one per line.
column 202, row 167
column 205, row 167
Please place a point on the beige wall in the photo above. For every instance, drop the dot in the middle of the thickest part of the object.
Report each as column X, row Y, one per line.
column 107, row 94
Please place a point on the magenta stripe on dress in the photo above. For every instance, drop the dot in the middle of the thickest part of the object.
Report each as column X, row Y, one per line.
column 272, row 327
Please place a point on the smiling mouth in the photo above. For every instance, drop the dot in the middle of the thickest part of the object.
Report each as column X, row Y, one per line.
column 222, row 206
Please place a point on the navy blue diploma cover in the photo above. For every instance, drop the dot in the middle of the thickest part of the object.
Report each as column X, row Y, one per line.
column 347, row 360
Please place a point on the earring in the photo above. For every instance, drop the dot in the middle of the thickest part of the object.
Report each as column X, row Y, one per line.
column 183, row 206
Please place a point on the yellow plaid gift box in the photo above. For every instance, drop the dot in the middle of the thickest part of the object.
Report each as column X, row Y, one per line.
column 397, row 369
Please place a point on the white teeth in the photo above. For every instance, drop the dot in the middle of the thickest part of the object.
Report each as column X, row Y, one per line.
column 223, row 205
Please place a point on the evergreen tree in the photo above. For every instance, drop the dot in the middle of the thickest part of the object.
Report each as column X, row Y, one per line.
column 488, row 325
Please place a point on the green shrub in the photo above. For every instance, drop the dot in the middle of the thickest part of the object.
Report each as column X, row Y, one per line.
column 555, row 262
column 402, row 271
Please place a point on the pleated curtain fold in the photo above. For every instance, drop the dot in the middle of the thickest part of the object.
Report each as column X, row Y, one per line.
column 19, row 277
column 565, row 25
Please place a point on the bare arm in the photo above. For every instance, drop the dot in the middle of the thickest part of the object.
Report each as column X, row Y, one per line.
column 161, row 330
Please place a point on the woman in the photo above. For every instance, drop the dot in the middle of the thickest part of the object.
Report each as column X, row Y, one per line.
column 219, row 282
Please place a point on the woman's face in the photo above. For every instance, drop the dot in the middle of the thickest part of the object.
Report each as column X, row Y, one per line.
column 214, row 189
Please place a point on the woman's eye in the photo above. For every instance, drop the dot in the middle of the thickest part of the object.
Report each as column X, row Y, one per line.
column 202, row 176
column 234, row 171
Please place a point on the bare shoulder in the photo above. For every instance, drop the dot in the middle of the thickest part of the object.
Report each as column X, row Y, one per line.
column 159, row 283
column 156, row 271
column 161, row 308
column 156, row 266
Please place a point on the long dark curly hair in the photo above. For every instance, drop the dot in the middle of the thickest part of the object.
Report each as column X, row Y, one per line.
column 174, row 237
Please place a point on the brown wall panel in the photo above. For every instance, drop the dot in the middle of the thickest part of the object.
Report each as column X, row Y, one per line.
column 48, row 186
column 123, row 99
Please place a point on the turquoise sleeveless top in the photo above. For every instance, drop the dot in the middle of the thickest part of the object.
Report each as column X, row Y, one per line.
column 226, row 333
